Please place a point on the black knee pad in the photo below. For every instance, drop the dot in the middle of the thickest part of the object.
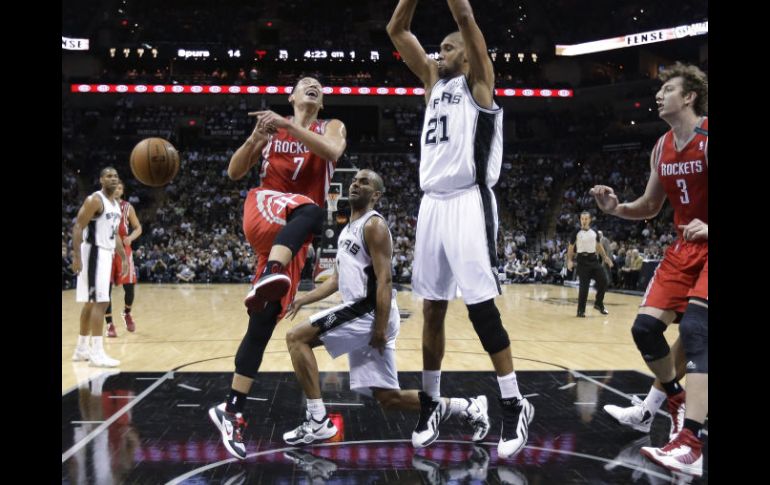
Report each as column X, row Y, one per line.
column 488, row 326
column 252, row 348
column 694, row 332
column 304, row 220
column 129, row 289
column 648, row 335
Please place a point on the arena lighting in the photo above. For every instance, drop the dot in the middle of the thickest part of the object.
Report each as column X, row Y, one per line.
column 328, row 90
column 632, row 40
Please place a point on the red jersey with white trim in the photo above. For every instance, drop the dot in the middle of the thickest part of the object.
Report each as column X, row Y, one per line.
column 124, row 225
column 289, row 166
column 685, row 175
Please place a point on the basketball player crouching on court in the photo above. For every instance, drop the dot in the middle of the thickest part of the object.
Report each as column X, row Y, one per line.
column 94, row 239
column 364, row 326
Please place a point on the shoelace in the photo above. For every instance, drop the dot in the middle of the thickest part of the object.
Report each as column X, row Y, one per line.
column 678, row 416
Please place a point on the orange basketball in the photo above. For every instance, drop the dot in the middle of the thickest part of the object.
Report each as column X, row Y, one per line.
column 154, row 162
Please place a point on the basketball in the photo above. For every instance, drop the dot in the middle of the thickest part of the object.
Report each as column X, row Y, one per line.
column 154, row 162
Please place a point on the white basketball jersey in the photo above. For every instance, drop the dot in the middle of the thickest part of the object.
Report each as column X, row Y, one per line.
column 354, row 264
column 462, row 143
column 101, row 229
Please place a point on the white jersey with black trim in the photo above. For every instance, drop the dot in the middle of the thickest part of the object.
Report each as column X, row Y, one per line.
column 461, row 142
column 354, row 264
column 101, row 230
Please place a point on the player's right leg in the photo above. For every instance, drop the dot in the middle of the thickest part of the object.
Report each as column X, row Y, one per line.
column 433, row 281
column 100, row 270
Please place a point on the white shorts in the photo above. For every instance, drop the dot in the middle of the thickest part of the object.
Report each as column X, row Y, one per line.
column 94, row 278
column 455, row 247
column 347, row 329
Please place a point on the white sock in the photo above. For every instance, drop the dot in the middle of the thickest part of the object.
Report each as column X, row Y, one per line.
column 509, row 387
column 316, row 408
column 97, row 343
column 431, row 382
column 82, row 341
column 655, row 399
column 458, row 405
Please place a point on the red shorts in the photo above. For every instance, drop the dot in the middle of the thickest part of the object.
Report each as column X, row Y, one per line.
column 116, row 267
column 264, row 215
column 683, row 273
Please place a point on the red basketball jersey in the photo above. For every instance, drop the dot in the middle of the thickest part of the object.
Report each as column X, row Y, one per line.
column 124, row 226
column 288, row 166
column 684, row 174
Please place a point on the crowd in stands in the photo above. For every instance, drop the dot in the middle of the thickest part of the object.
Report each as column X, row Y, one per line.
column 192, row 227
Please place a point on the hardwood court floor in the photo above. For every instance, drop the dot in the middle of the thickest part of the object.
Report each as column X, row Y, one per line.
column 199, row 327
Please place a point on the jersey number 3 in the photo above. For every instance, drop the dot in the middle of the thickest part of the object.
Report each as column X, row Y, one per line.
column 433, row 125
column 685, row 197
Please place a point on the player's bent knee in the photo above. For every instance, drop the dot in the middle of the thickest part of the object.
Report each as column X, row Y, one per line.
column 488, row 326
column 648, row 336
column 694, row 332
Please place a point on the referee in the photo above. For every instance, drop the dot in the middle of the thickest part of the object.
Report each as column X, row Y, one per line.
column 588, row 245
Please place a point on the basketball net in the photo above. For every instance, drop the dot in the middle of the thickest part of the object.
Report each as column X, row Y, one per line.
column 332, row 200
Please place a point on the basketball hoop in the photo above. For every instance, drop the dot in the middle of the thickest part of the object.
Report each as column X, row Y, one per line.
column 331, row 204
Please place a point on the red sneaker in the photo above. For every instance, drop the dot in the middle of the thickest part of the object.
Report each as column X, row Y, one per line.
column 682, row 454
column 111, row 330
column 270, row 287
column 130, row 325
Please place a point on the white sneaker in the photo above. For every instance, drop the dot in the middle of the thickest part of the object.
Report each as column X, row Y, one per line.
column 81, row 354
column 311, row 430
column 636, row 416
column 231, row 426
column 517, row 414
column 100, row 359
column 477, row 416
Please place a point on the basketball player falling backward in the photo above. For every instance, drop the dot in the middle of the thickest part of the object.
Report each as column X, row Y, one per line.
column 679, row 287
column 280, row 216
column 461, row 154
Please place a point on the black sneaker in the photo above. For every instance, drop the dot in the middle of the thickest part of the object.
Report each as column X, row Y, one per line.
column 517, row 414
column 581, row 314
column 431, row 413
column 601, row 309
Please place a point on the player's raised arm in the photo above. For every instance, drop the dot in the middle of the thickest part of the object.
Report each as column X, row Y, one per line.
column 481, row 73
column 408, row 46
